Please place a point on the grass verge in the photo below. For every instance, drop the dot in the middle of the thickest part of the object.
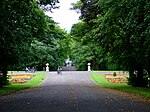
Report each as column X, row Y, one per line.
column 13, row 88
column 101, row 80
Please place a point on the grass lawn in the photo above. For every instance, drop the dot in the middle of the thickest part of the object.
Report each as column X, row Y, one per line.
column 34, row 82
column 101, row 80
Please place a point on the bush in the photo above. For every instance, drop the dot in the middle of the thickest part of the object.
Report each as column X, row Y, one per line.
column 133, row 81
column 114, row 74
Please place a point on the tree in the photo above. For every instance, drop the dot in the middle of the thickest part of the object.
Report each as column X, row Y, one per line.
column 22, row 22
column 50, row 48
column 125, row 26
column 48, row 5
column 85, row 49
column 121, row 27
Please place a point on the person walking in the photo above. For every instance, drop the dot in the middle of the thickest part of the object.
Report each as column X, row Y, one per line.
column 26, row 69
column 33, row 70
column 59, row 69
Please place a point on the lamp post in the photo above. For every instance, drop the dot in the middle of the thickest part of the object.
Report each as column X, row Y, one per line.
column 47, row 67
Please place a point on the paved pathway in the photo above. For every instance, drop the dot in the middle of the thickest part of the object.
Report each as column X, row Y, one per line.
column 71, row 92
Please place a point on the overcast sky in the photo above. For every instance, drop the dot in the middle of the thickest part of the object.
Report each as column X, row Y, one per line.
column 65, row 17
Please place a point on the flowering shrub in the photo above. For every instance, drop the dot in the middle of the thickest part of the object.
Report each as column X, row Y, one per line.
column 19, row 78
column 118, row 78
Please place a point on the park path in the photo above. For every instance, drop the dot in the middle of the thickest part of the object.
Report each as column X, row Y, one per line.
column 73, row 91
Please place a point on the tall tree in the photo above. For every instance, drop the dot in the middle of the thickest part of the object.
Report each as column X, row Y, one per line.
column 21, row 22
column 121, row 28
column 125, row 26
column 82, row 35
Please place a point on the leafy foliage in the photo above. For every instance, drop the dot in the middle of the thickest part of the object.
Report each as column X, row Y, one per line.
column 28, row 37
column 120, row 28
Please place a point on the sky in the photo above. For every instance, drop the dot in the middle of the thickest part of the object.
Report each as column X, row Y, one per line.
column 65, row 17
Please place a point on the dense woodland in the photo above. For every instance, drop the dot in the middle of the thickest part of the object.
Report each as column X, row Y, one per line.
column 28, row 37
column 114, row 35
column 111, row 35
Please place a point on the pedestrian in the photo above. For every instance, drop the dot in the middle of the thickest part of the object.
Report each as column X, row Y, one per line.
column 26, row 69
column 29, row 69
column 59, row 69
column 33, row 70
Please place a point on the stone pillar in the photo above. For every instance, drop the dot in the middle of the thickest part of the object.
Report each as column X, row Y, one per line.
column 89, row 66
column 47, row 67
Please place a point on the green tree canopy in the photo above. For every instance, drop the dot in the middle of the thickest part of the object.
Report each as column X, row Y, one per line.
column 27, row 34
column 121, row 29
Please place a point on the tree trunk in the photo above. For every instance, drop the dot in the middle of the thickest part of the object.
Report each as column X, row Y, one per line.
column 140, row 80
column 3, row 78
column 132, row 77
column 95, row 65
column 148, row 73
column 131, row 73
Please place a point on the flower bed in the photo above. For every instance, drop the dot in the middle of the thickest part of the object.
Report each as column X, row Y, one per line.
column 119, row 78
column 19, row 78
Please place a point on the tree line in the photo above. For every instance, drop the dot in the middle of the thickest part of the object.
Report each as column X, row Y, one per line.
column 28, row 37
column 113, row 35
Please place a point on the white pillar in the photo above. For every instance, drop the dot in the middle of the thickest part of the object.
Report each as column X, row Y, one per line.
column 47, row 68
column 89, row 66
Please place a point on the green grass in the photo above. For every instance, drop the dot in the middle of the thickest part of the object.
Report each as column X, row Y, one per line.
column 101, row 80
column 13, row 88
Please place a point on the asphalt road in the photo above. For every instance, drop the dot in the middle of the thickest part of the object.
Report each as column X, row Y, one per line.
column 71, row 92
